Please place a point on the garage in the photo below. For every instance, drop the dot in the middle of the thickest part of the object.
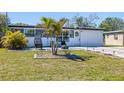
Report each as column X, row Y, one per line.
column 91, row 38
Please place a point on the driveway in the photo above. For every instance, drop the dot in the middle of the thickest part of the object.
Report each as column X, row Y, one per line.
column 115, row 51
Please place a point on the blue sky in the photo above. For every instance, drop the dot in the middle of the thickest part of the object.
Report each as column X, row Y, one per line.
column 33, row 18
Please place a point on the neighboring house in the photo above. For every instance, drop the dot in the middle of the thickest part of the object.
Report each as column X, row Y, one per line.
column 114, row 38
column 73, row 37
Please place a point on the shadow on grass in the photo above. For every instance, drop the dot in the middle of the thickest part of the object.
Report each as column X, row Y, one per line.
column 75, row 57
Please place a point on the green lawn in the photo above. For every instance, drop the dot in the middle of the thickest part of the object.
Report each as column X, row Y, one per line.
column 20, row 65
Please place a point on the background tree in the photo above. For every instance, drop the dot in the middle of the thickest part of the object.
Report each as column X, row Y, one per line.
column 20, row 24
column 40, row 25
column 3, row 22
column 112, row 23
column 80, row 21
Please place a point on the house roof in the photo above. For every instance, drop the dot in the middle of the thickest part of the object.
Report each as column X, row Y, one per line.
column 111, row 32
column 23, row 26
column 83, row 28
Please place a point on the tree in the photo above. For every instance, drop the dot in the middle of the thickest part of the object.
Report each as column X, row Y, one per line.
column 20, row 24
column 80, row 21
column 57, row 28
column 3, row 23
column 53, row 29
column 40, row 25
column 14, row 40
column 48, row 22
column 112, row 23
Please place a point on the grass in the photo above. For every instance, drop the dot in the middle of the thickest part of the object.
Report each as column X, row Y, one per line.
column 20, row 65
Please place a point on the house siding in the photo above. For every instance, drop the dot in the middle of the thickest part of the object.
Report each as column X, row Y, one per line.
column 86, row 37
column 110, row 40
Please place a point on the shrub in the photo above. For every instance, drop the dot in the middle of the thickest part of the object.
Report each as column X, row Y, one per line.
column 14, row 40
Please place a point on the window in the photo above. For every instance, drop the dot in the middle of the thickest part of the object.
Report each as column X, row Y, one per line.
column 76, row 34
column 116, row 36
column 65, row 36
column 60, row 39
column 29, row 32
column 38, row 32
column 21, row 30
column 66, row 39
column 45, row 34
column 72, row 34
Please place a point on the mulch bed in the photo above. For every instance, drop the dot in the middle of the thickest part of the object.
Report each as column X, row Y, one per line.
column 48, row 56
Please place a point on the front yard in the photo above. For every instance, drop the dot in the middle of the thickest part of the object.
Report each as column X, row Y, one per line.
column 20, row 65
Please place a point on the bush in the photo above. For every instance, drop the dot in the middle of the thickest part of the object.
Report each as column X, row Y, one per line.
column 14, row 40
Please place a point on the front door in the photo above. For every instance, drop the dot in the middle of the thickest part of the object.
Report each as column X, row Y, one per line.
column 77, row 38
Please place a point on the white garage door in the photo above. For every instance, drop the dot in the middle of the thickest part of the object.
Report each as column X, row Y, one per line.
column 91, row 38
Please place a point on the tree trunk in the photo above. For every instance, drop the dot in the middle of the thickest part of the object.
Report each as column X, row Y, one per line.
column 52, row 46
column 56, row 47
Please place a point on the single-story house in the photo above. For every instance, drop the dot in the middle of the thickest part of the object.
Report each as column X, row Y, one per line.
column 114, row 38
column 73, row 37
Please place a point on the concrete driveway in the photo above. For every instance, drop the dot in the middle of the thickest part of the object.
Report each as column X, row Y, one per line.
column 114, row 51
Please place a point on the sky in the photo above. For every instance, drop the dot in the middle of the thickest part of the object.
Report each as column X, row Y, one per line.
column 32, row 18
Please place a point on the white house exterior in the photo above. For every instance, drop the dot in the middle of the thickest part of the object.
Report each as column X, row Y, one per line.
column 77, row 37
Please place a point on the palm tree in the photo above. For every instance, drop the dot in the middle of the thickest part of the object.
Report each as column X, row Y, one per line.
column 54, row 28
column 48, row 22
column 57, row 27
